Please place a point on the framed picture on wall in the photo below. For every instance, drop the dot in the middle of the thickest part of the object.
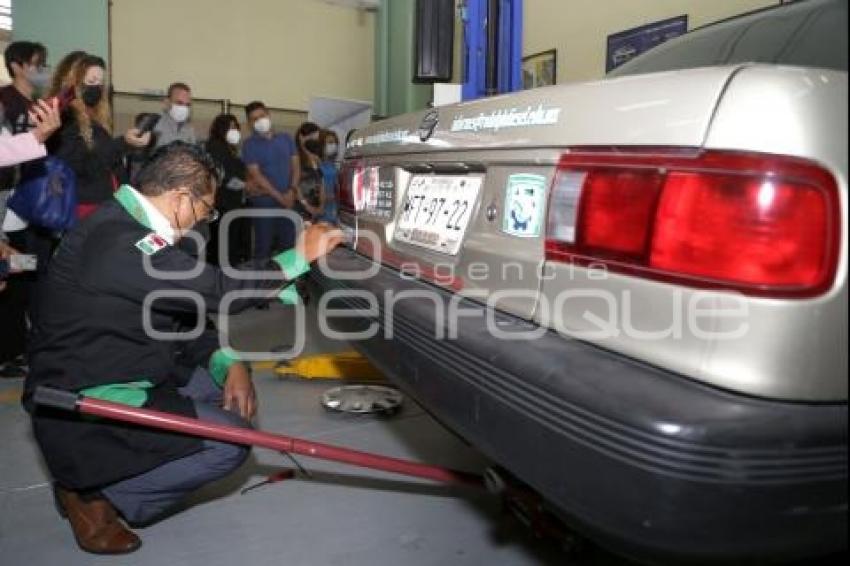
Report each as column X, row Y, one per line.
column 626, row 45
column 540, row 69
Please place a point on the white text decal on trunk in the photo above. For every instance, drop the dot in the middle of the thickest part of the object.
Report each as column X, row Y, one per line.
column 397, row 136
column 513, row 118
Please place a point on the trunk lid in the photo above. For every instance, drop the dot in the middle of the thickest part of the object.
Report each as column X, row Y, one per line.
column 509, row 146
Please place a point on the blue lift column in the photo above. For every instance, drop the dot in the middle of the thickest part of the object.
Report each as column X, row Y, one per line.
column 492, row 47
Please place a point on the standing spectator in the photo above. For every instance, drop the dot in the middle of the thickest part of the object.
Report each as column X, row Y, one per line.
column 223, row 146
column 62, row 73
column 330, row 172
column 268, row 157
column 30, row 145
column 26, row 62
column 21, row 148
column 307, row 172
column 85, row 142
column 174, row 123
column 27, row 65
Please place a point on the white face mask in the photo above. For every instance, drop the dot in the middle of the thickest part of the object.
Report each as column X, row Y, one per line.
column 233, row 136
column 263, row 125
column 331, row 150
column 179, row 112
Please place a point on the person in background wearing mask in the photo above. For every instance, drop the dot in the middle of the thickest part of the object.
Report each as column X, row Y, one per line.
column 26, row 62
column 268, row 157
column 21, row 148
column 223, row 146
column 89, row 336
column 174, row 124
column 27, row 65
column 62, row 73
column 307, row 175
column 28, row 146
column 330, row 172
column 84, row 142
column 14, row 150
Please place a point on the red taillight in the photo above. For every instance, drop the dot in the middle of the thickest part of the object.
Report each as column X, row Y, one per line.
column 351, row 185
column 759, row 224
column 608, row 226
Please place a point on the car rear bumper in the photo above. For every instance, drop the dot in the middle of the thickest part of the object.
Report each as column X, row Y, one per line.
column 639, row 457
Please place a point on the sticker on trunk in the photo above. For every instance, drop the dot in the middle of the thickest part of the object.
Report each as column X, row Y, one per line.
column 525, row 202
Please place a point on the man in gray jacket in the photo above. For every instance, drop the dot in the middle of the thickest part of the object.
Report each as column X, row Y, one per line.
column 174, row 124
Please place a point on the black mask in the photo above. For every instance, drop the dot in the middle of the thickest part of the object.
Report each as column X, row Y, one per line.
column 313, row 146
column 92, row 94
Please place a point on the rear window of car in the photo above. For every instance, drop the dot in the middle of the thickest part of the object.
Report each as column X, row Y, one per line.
column 809, row 33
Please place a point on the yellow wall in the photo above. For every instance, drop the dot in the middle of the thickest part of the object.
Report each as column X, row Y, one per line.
column 280, row 51
column 5, row 40
column 4, row 74
column 578, row 29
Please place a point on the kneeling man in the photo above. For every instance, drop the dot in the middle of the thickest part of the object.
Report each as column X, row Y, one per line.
column 115, row 278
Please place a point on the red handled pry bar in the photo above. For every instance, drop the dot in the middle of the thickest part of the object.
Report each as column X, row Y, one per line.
column 69, row 401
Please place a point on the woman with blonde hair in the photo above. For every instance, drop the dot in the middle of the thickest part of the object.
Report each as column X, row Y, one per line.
column 85, row 141
column 62, row 73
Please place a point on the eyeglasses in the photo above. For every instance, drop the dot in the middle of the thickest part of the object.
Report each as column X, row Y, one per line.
column 212, row 213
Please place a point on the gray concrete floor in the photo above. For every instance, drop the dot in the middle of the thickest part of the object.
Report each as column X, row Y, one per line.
column 339, row 516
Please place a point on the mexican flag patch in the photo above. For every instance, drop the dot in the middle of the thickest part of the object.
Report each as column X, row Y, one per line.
column 151, row 243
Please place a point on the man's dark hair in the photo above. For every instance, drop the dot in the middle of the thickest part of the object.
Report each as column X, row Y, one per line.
column 41, row 51
column 176, row 165
column 177, row 86
column 255, row 105
column 22, row 52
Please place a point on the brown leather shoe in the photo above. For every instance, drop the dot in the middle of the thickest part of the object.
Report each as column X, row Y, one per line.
column 95, row 523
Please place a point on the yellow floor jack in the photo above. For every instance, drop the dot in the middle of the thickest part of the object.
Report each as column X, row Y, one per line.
column 362, row 391
column 348, row 365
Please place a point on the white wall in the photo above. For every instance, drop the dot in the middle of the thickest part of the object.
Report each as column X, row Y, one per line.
column 280, row 51
column 578, row 29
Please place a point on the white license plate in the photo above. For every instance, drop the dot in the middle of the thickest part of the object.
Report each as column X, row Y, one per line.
column 436, row 211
